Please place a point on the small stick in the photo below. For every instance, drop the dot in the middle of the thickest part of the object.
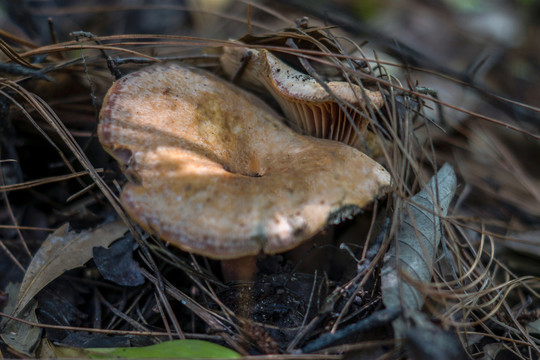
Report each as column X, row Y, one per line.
column 250, row 29
column 111, row 63
column 374, row 320
column 140, row 60
column 52, row 31
column 18, row 69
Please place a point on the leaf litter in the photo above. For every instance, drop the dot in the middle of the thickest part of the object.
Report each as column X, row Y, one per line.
column 116, row 263
column 20, row 337
column 460, row 291
column 418, row 237
column 63, row 250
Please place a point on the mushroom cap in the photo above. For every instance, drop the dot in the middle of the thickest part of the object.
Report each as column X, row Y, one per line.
column 214, row 171
column 309, row 107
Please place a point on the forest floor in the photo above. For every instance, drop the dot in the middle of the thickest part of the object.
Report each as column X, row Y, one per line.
column 444, row 269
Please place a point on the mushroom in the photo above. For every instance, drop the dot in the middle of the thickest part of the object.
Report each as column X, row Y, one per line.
column 214, row 171
column 328, row 113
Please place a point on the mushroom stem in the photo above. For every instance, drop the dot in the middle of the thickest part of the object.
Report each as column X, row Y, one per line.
column 239, row 269
column 244, row 270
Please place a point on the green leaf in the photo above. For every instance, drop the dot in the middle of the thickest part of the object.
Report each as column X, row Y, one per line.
column 177, row 349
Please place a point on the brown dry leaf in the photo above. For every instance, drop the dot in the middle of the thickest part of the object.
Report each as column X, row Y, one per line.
column 19, row 336
column 63, row 250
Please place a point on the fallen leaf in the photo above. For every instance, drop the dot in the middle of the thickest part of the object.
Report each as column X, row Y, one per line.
column 175, row 349
column 45, row 350
column 426, row 340
column 116, row 263
column 21, row 337
column 418, row 238
column 63, row 250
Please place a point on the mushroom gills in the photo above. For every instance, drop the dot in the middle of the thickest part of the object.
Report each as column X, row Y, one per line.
column 307, row 105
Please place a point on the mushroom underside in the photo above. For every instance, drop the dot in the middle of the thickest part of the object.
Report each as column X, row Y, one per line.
column 338, row 112
column 214, row 171
column 326, row 120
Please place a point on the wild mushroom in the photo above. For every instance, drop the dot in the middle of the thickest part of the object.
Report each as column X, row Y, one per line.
column 215, row 172
column 327, row 113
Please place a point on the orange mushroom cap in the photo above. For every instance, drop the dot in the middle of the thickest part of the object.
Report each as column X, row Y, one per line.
column 214, row 171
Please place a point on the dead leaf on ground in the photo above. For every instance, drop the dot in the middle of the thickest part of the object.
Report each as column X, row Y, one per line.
column 63, row 250
column 116, row 263
column 21, row 337
column 418, row 237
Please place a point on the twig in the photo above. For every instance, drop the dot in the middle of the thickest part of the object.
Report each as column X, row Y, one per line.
column 139, row 60
column 18, row 69
column 111, row 64
column 374, row 320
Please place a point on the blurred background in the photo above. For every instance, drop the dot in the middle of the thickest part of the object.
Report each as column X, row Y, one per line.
column 489, row 42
